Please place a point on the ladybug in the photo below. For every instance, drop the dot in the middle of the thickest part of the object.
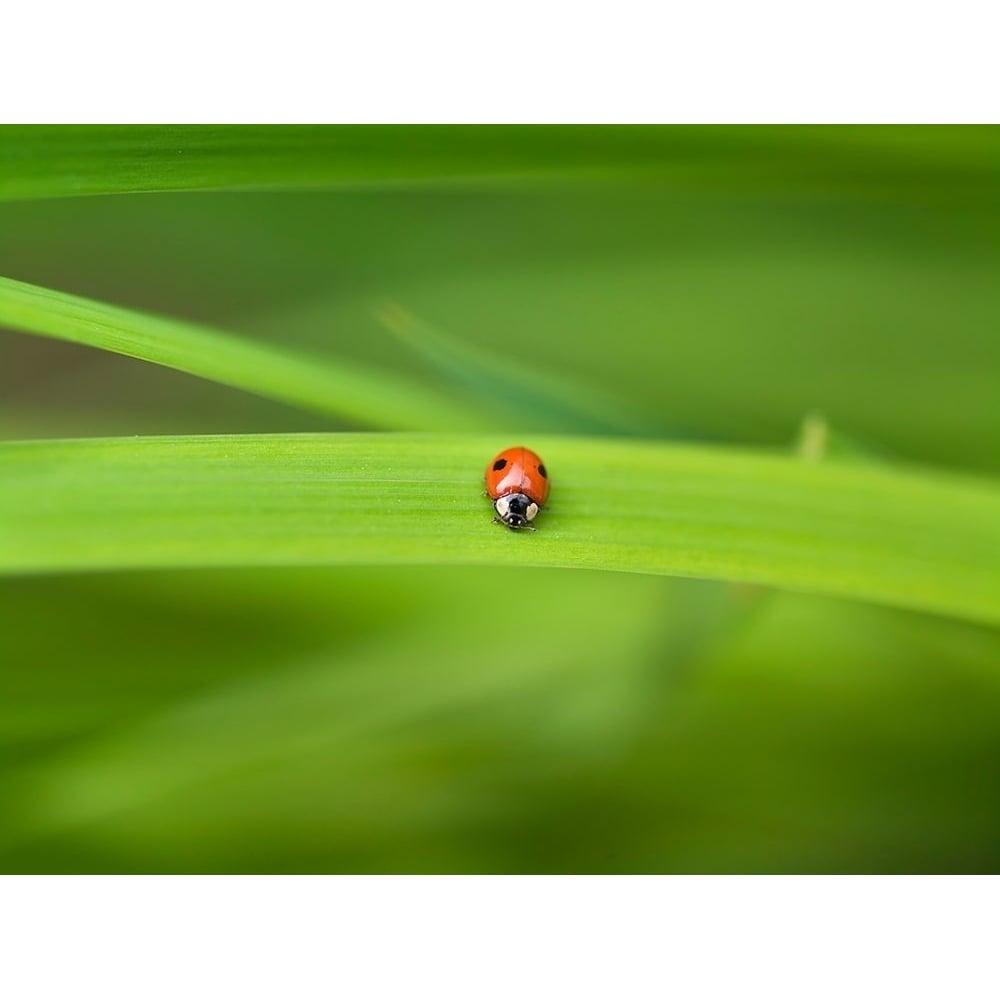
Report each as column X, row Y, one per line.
column 518, row 484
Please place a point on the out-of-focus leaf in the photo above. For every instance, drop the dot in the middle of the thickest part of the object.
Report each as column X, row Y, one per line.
column 57, row 160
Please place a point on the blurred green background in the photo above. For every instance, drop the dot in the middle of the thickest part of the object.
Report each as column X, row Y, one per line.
column 399, row 720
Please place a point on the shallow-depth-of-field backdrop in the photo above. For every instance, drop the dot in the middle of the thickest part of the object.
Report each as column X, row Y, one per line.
column 254, row 615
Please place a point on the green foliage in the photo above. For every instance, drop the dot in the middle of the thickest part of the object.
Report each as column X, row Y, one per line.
column 343, row 389
column 54, row 161
column 453, row 696
column 916, row 540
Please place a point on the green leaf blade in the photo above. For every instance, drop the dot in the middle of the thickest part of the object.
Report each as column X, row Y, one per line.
column 373, row 398
column 46, row 161
column 899, row 537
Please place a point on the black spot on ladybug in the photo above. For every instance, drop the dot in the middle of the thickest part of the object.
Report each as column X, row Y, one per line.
column 542, row 472
column 499, row 464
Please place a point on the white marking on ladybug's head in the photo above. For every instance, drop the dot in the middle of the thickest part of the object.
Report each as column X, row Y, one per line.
column 515, row 510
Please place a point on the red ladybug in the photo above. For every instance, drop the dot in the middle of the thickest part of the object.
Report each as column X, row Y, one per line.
column 518, row 484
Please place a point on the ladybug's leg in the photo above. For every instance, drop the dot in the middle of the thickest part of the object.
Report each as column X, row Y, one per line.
column 523, row 527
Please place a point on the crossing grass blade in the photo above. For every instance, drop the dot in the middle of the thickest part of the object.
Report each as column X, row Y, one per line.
column 911, row 539
column 511, row 386
column 371, row 397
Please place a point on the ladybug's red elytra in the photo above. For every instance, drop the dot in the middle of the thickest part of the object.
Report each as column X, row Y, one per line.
column 518, row 484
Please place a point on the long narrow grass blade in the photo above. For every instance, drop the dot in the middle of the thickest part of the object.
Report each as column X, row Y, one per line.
column 914, row 540
column 44, row 161
column 371, row 397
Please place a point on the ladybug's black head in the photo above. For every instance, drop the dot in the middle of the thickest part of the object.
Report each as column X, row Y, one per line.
column 516, row 510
